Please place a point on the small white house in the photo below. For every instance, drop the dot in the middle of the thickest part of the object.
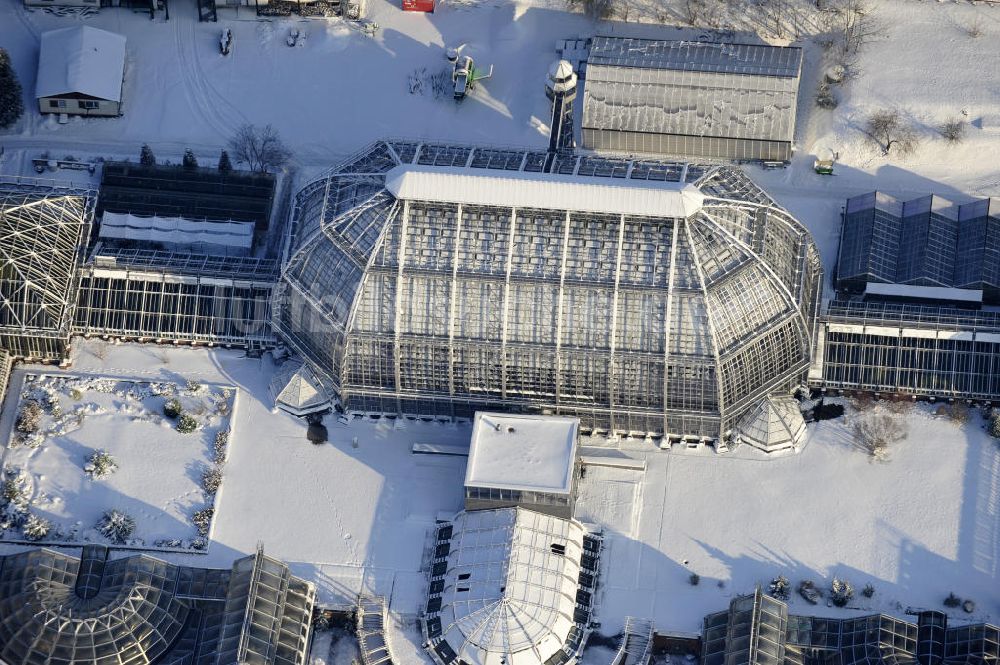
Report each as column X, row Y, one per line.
column 80, row 72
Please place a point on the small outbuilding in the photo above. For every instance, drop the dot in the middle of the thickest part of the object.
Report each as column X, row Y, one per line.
column 297, row 390
column 523, row 460
column 80, row 72
column 775, row 424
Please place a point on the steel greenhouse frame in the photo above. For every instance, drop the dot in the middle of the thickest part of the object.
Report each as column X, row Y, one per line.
column 44, row 226
column 548, row 310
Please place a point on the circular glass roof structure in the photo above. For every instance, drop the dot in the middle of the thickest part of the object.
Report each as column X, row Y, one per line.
column 645, row 297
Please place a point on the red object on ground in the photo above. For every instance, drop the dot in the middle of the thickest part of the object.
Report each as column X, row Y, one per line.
column 418, row 6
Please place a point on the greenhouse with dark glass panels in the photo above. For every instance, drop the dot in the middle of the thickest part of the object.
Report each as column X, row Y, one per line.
column 645, row 297
column 60, row 610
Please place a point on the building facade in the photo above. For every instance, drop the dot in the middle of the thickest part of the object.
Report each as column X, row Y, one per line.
column 928, row 241
column 758, row 630
column 653, row 298
column 81, row 71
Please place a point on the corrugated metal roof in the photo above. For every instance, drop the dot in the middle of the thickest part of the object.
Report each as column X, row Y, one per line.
column 746, row 59
column 544, row 191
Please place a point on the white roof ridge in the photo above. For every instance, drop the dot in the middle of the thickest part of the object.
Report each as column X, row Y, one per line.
column 547, row 191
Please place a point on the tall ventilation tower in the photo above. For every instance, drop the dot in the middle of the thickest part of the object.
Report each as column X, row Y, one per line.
column 560, row 87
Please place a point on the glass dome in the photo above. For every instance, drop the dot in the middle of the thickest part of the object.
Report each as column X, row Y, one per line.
column 645, row 297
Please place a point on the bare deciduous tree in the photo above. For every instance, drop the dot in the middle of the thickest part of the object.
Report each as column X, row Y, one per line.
column 888, row 128
column 854, row 24
column 596, row 9
column 875, row 433
column 259, row 147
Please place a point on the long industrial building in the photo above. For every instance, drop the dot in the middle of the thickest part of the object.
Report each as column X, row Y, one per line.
column 644, row 297
column 916, row 280
column 691, row 99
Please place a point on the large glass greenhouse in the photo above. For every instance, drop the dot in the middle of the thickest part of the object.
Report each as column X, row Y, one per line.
column 43, row 229
column 645, row 297
column 139, row 610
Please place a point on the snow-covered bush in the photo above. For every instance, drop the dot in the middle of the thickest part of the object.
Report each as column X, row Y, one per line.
column 14, row 499
column 202, row 520
column 994, row 427
column 199, row 544
column 29, row 418
column 841, row 592
column 956, row 412
column 889, row 129
column 694, row 579
column 868, row 591
column 809, row 591
column 780, row 588
column 116, row 526
column 211, row 480
column 952, row 600
column 193, row 387
column 968, row 606
column 75, row 394
column 187, row 423
column 100, row 464
column 953, row 130
column 825, row 99
column 36, row 528
column 875, row 433
column 172, row 408
column 219, row 447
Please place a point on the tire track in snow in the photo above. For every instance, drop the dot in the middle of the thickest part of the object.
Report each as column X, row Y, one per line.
column 197, row 90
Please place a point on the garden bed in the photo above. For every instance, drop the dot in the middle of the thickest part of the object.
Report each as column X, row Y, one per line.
column 125, row 463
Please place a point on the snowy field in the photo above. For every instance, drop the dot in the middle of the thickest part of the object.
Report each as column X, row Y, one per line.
column 349, row 515
column 339, row 89
column 922, row 525
column 356, row 513
column 155, row 474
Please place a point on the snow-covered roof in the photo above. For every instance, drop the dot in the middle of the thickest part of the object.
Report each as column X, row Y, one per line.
column 692, row 89
column 548, row 191
column 177, row 230
column 81, row 60
column 924, row 292
column 776, row 423
column 509, row 594
column 531, row 453
column 296, row 389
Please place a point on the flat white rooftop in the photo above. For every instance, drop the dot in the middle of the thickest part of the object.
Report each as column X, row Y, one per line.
column 924, row 292
column 546, row 191
column 528, row 453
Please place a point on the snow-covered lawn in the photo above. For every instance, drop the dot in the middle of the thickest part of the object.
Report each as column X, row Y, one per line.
column 922, row 525
column 356, row 514
column 155, row 471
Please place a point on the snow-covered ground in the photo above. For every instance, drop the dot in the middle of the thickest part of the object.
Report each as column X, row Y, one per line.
column 158, row 477
column 357, row 513
column 917, row 527
column 354, row 513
